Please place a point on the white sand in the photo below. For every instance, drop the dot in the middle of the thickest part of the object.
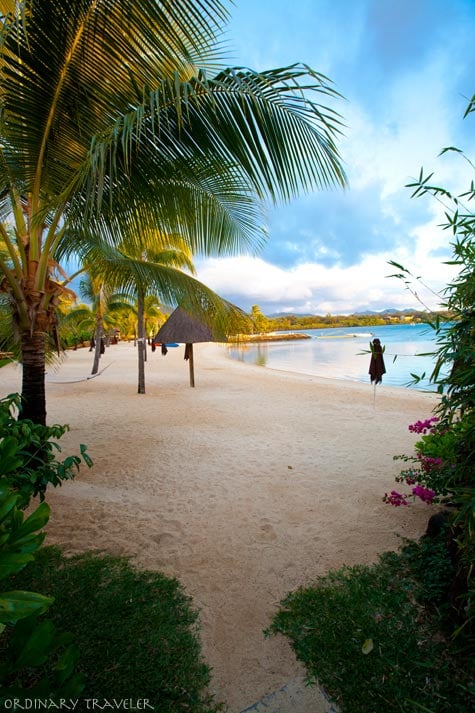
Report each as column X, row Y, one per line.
column 244, row 488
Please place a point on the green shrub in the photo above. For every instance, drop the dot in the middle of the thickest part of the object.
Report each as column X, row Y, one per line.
column 28, row 453
column 136, row 631
column 37, row 660
column 454, row 376
column 372, row 637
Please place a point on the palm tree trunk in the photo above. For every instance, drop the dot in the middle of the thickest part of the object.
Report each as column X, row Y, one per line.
column 141, row 341
column 33, row 393
column 97, row 348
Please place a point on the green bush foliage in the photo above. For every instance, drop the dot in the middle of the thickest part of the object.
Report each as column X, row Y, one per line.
column 28, row 453
column 36, row 660
column 453, row 439
column 371, row 636
column 432, row 473
column 136, row 630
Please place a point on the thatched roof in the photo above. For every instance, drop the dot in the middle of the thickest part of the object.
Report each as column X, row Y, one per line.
column 181, row 327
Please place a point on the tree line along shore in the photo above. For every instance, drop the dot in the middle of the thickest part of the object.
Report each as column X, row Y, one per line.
column 263, row 325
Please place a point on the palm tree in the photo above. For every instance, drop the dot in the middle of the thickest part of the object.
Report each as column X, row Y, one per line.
column 108, row 119
column 177, row 256
column 137, row 272
column 77, row 323
column 153, row 317
column 99, row 314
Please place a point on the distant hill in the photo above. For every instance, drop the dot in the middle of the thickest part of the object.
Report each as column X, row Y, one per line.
column 280, row 315
column 388, row 311
column 362, row 313
column 287, row 322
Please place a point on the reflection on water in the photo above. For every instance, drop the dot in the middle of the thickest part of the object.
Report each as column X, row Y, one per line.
column 345, row 354
column 251, row 354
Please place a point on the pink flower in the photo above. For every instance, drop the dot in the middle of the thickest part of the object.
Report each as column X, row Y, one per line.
column 428, row 463
column 426, row 426
column 395, row 498
column 425, row 494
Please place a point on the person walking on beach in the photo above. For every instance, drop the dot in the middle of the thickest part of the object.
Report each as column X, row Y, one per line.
column 376, row 365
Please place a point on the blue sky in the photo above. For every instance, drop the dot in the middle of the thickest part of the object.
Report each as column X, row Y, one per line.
column 406, row 71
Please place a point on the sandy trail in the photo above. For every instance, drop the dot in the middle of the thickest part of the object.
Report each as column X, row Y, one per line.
column 244, row 488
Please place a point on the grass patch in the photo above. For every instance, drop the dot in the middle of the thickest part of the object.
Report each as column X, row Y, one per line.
column 136, row 630
column 373, row 636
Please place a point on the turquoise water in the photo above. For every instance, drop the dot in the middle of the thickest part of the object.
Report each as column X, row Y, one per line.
column 339, row 353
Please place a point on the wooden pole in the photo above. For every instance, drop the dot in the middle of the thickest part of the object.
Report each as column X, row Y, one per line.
column 192, row 368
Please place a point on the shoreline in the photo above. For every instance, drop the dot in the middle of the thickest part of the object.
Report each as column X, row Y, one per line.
column 244, row 488
column 344, row 357
column 269, row 337
column 336, row 381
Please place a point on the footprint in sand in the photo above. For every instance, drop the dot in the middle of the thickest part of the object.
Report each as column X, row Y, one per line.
column 266, row 531
column 163, row 538
column 173, row 530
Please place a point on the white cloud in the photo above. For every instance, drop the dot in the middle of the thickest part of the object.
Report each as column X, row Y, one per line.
column 405, row 103
column 317, row 289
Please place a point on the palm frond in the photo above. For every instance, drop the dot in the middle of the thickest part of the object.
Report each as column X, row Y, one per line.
column 266, row 128
column 69, row 69
column 115, row 271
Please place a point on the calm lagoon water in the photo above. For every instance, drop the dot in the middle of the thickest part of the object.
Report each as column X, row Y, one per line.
column 339, row 353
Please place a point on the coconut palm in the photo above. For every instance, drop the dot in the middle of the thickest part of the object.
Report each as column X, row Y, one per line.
column 153, row 316
column 99, row 314
column 77, row 323
column 116, row 113
column 140, row 272
column 178, row 255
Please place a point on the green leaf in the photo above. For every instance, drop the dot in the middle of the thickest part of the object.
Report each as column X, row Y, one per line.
column 66, row 663
column 35, row 521
column 29, row 543
column 16, row 605
column 7, row 504
column 38, row 646
column 11, row 562
column 398, row 266
column 450, row 148
column 87, row 459
column 8, row 448
column 5, row 488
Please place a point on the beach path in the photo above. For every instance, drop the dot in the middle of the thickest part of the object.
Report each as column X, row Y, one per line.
column 245, row 487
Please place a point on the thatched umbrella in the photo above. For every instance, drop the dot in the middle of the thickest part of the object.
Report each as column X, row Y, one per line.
column 185, row 329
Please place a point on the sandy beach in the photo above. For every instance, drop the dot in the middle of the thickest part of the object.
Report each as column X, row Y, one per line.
column 244, row 488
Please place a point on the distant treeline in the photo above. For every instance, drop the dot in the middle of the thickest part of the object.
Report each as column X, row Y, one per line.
column 289, row 322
